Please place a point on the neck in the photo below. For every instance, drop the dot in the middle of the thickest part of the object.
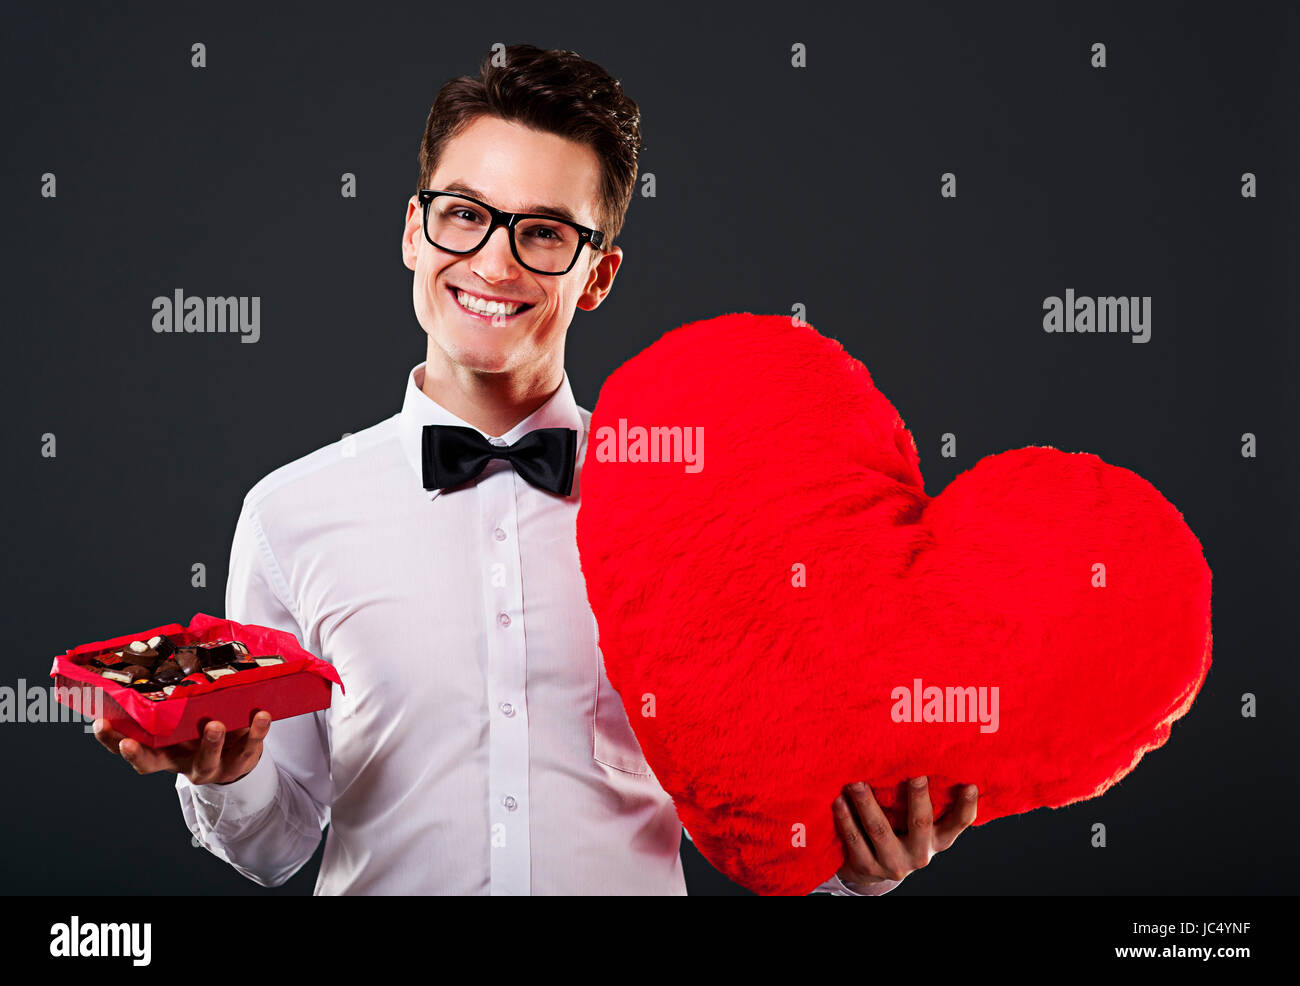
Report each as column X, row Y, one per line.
column 491, row 402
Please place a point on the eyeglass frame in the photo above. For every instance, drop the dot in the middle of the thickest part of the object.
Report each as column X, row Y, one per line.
column 508, row 219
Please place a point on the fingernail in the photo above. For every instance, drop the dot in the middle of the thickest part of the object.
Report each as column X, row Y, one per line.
column 212, row 733
column 918, row 782
column 858, row 786
column 972, row 793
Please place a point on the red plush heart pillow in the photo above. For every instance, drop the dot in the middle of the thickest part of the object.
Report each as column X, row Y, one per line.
column 785, row 611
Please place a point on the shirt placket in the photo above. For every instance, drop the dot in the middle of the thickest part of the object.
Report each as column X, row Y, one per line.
column 508, row 807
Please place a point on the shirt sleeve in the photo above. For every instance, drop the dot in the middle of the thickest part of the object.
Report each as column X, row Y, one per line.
column 838, row 888
column 268, row 823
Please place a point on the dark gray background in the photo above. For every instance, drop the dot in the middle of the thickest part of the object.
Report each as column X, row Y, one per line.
column 775, row 187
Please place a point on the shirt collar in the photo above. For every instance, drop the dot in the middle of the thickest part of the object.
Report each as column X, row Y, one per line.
column 419, row 409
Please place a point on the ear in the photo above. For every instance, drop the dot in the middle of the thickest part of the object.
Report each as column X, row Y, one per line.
column 600, row 279
column 412, row 232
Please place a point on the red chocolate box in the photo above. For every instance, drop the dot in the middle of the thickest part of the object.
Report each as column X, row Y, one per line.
column 299, row 685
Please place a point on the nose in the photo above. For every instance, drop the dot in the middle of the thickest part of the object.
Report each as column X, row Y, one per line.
column 494, row 261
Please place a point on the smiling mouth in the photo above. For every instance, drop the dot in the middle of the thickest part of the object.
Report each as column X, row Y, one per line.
column 488, row 315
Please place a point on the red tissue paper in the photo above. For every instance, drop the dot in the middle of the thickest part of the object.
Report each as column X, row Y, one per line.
column 300, row 685
column 784, row 610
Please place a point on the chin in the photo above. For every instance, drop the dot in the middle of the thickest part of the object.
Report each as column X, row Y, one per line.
column 476, row 356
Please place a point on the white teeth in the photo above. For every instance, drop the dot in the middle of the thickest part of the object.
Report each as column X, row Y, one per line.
column 482, row 307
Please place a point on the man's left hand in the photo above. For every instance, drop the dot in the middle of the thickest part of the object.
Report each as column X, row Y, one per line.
column 874, row 853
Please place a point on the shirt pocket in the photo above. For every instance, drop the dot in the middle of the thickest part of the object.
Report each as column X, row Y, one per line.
column 613, row 742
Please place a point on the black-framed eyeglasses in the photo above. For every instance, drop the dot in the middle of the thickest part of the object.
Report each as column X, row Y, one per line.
column 544, row 244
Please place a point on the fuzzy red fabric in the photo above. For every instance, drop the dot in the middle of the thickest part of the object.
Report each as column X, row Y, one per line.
column 758, row 692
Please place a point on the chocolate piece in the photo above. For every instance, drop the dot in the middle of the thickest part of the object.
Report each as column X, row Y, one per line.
column 168, row 689
column 188, row 683
column 218, row 654
column 162, row 645
column 245, row 665
column 188, row 659
column 110, row 659
column 136, row 671
column 215, row 673
column 268, row 661
column 198, row 678
column 118, row 676
column 145, row 685
column 157, row 696
column 141, row 652
column 168, row 673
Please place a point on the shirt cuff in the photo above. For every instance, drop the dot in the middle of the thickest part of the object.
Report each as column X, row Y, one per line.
column 839, row 888
column 231, row 803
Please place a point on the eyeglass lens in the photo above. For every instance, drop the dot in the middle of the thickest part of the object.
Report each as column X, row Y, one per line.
column 458, row 224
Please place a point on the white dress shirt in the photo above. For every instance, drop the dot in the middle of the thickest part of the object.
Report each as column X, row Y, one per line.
column 479, row 747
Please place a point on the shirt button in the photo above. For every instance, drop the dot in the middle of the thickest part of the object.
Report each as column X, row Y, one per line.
column 510, row 803
column 507, row 709
column 503, row 619
column 499, row 534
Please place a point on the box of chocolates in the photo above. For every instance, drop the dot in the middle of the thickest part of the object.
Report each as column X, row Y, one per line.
column 162, row 686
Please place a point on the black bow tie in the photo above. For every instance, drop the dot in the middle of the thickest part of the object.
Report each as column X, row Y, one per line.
column 454, row 454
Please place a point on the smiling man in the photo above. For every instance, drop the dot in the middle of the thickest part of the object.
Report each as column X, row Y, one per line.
column 479, row 747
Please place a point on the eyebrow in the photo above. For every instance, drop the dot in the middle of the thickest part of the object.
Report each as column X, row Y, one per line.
column 563, row 212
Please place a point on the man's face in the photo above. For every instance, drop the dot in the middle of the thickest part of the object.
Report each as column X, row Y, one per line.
column 513, row 168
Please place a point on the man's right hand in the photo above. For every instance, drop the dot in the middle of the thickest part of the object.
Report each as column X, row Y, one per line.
column 215, row 758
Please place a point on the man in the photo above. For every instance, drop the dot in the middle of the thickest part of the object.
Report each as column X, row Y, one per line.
column 479, row 747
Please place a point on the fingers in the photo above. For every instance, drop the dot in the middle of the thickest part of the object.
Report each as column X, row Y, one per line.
column 958, row 817
column 857, row 850
column 244, row 748
column 222, row 758
column 216, row 757
column 894, row 862
column 142, row 759
column 920, row 823
column 107, row 736
column 206, row 767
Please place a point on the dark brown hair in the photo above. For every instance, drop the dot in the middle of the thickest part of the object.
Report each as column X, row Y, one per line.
column 557, row 92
